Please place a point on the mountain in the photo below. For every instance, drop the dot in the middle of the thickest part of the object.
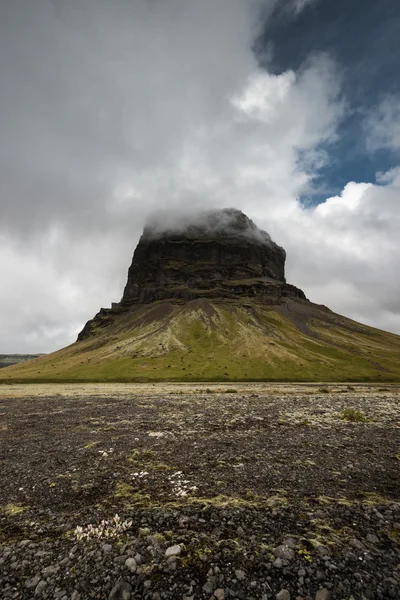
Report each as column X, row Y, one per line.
column 13, row 359
column 207, row 299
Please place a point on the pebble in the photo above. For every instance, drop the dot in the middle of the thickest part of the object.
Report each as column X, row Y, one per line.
column 121, row 591
column 32, row 583
column 355, row 543
column 135, row 568
column 323, row 594
column 241, row 575
column 208, row 587
column 131, row 564
column 284, row 551
column 173, row 551
column 40, row 587
column 371, row 537
column 49, row 571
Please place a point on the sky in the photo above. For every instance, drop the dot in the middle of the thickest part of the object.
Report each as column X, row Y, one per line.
column 288, row 110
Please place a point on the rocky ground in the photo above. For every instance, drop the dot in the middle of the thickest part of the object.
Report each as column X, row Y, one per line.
column 251, row 492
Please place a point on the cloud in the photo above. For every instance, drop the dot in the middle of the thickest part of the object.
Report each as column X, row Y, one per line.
column 382, row 125
column 299, row 5
column 344, row 252
column 114, row 111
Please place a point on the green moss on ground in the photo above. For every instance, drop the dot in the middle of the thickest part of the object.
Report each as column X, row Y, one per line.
column 208, row 340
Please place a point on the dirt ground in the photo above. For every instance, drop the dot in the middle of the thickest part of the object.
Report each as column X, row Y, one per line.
column 78, row 446
column 124, row 444
column 75, row 454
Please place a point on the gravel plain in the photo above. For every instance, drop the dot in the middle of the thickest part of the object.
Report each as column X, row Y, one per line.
column 249, row 491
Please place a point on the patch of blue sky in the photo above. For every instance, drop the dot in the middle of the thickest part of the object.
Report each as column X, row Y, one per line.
column 363, row 37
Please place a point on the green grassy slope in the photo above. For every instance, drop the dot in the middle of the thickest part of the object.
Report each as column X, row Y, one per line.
column 222, row 341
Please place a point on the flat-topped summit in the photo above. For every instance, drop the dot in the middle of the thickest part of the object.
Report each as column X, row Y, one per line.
column 215, row 254
column 207, row 299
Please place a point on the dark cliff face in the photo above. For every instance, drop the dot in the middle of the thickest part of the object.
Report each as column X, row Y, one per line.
column 220, row 254
column 216, row 256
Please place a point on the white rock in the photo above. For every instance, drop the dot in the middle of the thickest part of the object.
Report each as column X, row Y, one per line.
column 283, row 595
column 219, row 594
column 130, row 563
column 173, row 551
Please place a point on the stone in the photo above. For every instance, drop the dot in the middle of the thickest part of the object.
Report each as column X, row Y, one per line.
column 323, row 594
column 278, row 564
column 301, row 573
column 131, row 564
column 208, row 587
column 173, row 551
column 40, row 587
column 219, row 594
column 107, row 548
column 240, row 574
column 283, row 551
column 49, row 571
column 355, row 543
column 32, row 583
column 121, row 591
column 322, row 550
column 371, row 537
column 283, row 595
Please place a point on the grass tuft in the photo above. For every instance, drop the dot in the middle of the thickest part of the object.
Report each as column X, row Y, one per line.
column 354, row 415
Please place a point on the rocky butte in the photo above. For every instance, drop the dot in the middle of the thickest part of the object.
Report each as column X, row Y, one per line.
column 206, row 299
column 222, row 254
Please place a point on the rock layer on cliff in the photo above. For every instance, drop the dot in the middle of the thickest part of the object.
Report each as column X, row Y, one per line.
column 217, row 254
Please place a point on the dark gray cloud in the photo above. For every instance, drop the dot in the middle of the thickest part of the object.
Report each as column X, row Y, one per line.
column 113, row 111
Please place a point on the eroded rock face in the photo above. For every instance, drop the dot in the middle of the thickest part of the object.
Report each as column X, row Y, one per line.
column 219, row 254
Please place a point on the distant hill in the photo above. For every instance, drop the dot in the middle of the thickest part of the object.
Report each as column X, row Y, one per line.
column 206, row 300
column 13, row 359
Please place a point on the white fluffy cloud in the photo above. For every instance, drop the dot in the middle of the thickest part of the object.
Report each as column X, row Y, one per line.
column 114, row 111
column 345, row 252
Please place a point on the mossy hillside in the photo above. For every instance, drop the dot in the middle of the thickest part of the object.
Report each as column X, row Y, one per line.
column 208, row 340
